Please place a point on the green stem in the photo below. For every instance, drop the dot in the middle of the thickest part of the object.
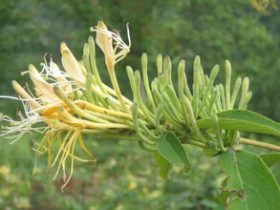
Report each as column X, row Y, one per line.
column 117, row 88
column 196, row 143
column 260, row 144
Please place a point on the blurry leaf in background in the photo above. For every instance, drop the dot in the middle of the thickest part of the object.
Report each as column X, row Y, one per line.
column 163, row 165
column 262, row 5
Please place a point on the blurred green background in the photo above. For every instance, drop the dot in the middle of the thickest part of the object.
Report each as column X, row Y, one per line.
column 124, row 177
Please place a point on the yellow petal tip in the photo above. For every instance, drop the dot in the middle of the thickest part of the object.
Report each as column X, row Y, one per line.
column 63, row 47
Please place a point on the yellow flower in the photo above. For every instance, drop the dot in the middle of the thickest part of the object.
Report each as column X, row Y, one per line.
column 132, row 185
column 25, row 96
column 66, row 105
column 43, row 89
column 111, row 44
column 5, row 171
column 71, row 65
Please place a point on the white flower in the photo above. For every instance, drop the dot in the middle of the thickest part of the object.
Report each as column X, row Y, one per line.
column 111, row 43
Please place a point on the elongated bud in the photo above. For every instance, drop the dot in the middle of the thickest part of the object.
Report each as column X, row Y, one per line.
column 144, row 62
column 235, row 91
column 245, row 85
column 167, row 67
column 71, row 65
column 216, row 127
column 86, row 58
column 214, row 73
column 91, row 46
column 181, row 78
column 159, row 64
column 23, row 94
column 93, row 65
column 196, row 84
column 130, row 74
column 228, row 83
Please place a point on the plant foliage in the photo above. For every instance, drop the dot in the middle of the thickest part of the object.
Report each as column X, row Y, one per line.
column 164, row 116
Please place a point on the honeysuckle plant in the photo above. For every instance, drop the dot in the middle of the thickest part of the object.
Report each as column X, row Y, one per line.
column 163, row 117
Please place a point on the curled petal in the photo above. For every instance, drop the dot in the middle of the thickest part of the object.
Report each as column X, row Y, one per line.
column 43, row 89
column 111, row 44
column 60, row 77
column 56, row 72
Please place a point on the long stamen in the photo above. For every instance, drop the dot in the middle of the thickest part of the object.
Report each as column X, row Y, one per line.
column 61, row 99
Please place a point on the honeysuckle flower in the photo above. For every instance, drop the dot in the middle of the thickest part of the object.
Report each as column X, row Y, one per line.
column 43, row 89
column 59, row 106
column 52, row 72
column 111, row 43
column 25, row 96
column 15, row 129
column 71, row 65
column 64, row 106
column 114, row 49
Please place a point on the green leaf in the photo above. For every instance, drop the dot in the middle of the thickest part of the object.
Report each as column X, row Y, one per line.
column 172, row 150
column 163, row 165
column 210, row 152
column 255, row 186
column 270, row 158
column 244, row 121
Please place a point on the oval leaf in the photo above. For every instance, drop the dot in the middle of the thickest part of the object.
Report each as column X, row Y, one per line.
column 244, row 121
column 253, row 183
column 271, row 158
column 172, row 150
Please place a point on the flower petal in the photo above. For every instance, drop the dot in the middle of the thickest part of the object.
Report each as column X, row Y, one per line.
column 71, row 65
column 104, row 40
column 43, row 89
column 23, row 94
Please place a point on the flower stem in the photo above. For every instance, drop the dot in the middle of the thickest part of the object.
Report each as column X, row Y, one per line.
column 117, row 88
column 260, row 144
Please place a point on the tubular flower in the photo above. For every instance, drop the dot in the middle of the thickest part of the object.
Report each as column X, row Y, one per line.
column 63, row 110
column 72, row 66
column 111, row 44
column 66, row 106
column 114, row 50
